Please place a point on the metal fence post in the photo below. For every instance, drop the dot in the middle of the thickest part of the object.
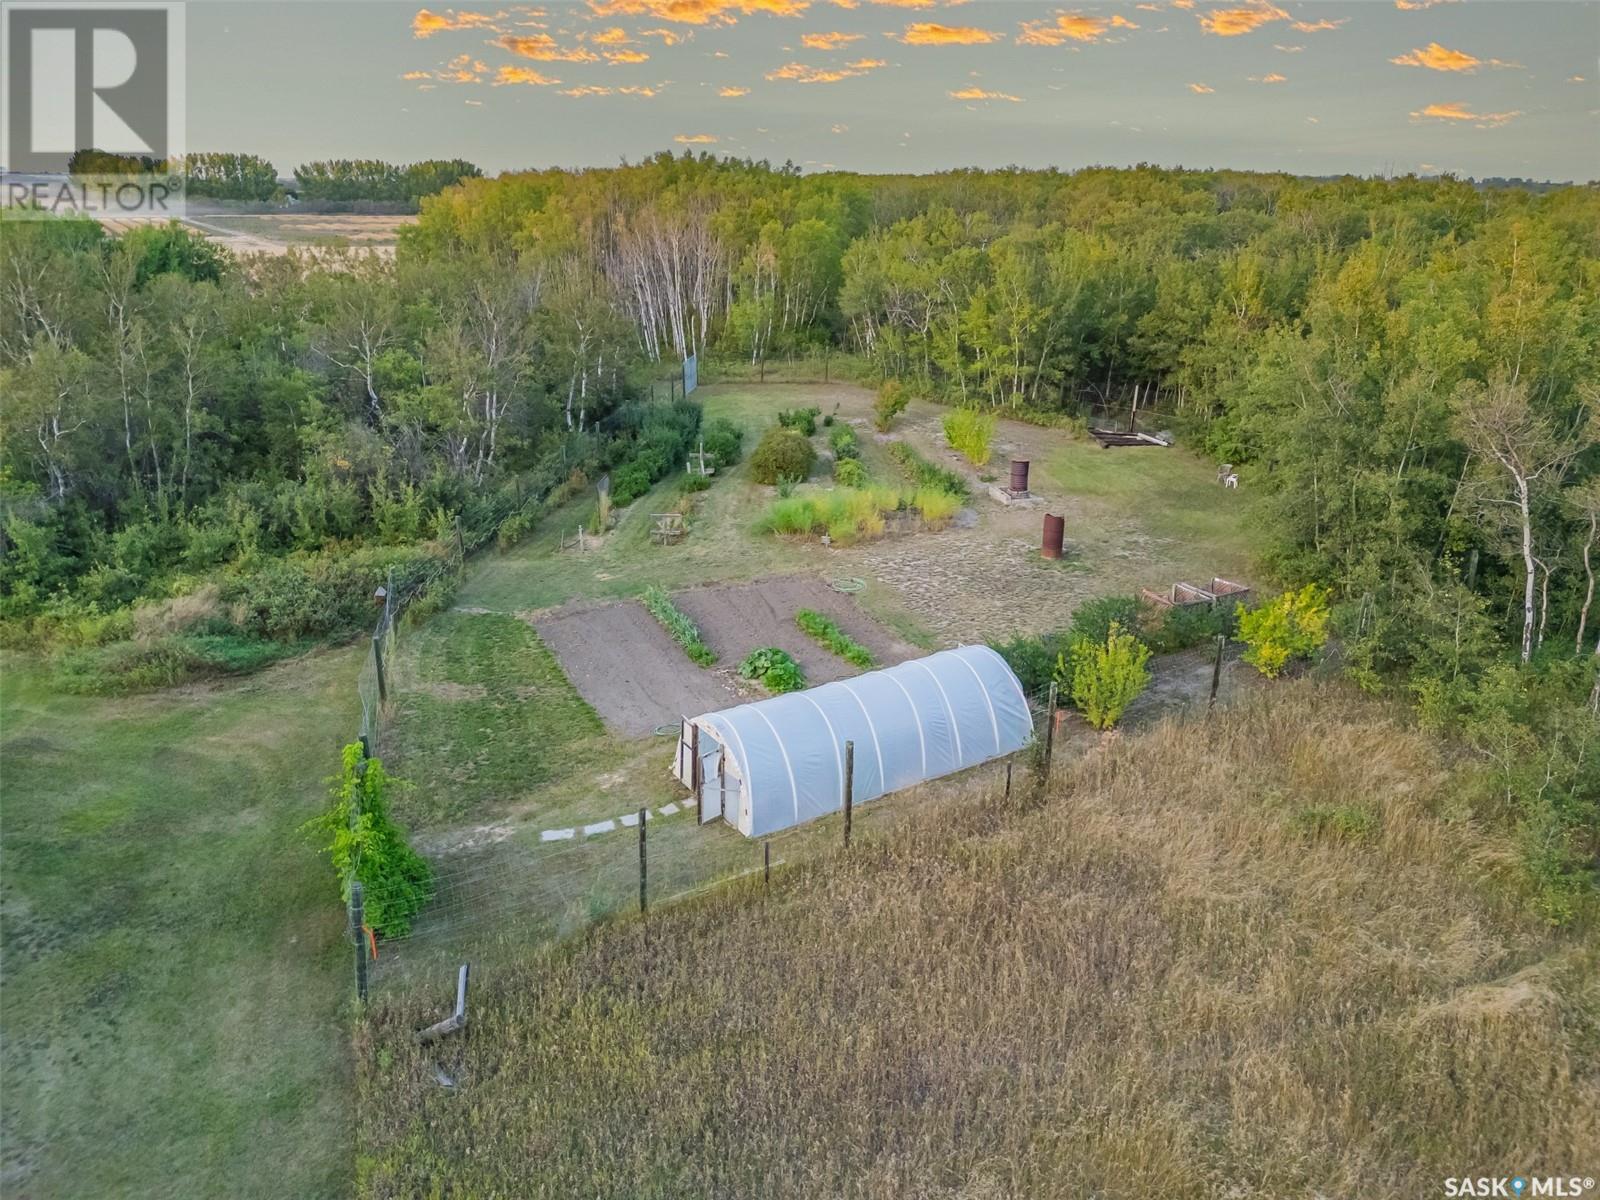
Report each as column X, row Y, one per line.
column 849, row 788
column 377, row 658
column 643, row 813
column 358, row 931
column 1216, row 671
column 1050, row 731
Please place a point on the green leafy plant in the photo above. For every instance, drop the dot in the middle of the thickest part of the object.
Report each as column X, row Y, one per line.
column 367, row 847
column 774, row 669
column 723, row 440
column 969, row 433
column 926, row 474
column 825, row 630
column 801, row 420
column 782, row 453
column 844, row 443
column 684, row 631
column 1294, row 626
column 891, row 402
column 849, row 472
column 1105, row 677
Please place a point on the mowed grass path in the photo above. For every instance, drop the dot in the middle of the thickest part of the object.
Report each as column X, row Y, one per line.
column 174, row 965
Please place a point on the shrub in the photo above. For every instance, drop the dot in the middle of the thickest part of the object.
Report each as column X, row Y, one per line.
column 790, row 515
column 781, row 454
column 937, row 508
column 891, row 402
column 515, row 527
column 1173, row 629
column 724, row 440
column 675, row 622
column 926, row 474
column 629, row 482
column 1295, row 625
column 825, row 630
column 1092, row 620
column 1106, row 676
column 802, row 420
column 774, row 669
column 844, row 443
column 849, row 472
column 366, row 846
column 1034, row 659
column 969, row 432
column 695, row 483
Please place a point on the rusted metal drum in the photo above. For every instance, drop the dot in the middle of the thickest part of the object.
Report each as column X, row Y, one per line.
column 1055, row 532
column 1019, row 474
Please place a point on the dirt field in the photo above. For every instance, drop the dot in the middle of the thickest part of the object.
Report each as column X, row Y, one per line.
column 735, row 619
column 637, row 678
column 624, row 664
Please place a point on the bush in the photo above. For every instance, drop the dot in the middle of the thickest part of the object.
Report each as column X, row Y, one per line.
column 367, row 847
column 684, row 631
column 938, row 508
column 164, row 661
column 844, row 443
column 891, row 402
column 774, row 669
column 1295, row 625
column 849, row 472
column 724, row 440
column 1092, row 620
column 802, row 420
column 926, row 474
column 1173, row 629
column 782, row 454
column 969, row 432
column 1106, row 676
column 826, row 631
column 1034, row 659
column 695, row 483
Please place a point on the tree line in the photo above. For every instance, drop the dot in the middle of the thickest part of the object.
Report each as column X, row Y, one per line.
column 249, row 177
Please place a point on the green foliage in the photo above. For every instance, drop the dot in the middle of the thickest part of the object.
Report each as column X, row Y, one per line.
column 1294, row 626
column 782, row 453
column 938, row 508
column 774, row 669
column 723, row 440
column 843, row 442
column 157, row 662
column 826, row 631
column 848, row 472
column 1166, row 631
column 684, row 631
column 849, row 514
column 1034, row 659
column 1336, row 822
column 1105, row 677
column 926, row 474
column 1093, row 620
column 367, row 847
column 892, row 400
column 969, row 433
column 802, row 420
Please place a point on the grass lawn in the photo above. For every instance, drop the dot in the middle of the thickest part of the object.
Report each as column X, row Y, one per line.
column 174, row 956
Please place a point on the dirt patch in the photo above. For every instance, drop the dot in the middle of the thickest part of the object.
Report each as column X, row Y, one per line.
column 624, row 664
column 735, row 619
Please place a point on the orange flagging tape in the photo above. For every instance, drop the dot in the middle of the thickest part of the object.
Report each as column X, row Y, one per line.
column 372, row 940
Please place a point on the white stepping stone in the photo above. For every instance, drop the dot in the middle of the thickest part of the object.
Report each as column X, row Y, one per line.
column 557, row 835
column 599, row 827
column 629, row 819
column 668, row 809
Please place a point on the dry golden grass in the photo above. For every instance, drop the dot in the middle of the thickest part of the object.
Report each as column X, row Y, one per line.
column 1255, row 956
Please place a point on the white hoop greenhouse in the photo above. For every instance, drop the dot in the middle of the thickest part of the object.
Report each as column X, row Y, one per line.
column 780, row 762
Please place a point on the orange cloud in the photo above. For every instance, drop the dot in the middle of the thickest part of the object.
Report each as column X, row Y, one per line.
column 1414, row 5
column 622, row 57
column 977, row 93
column 733, row 93
column 417, row 75
column 587, row 89
column 541, row 47
column 1317, row 26
column 863, row 65
column 697, row 12
column 829, row 41
column 528, row 75
column 1070, row 27
column 800, row 73
column 639, row 89
column 1272, row 78
column 695, row 139
column 1439, row 58
column 669, row 37
column 929, row 33
column 1200, row 89
column 1456, row 111
column 1231, row 22
column 615, row 36
column 426, row 24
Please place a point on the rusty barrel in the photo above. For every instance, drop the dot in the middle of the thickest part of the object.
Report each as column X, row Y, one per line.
column 1055, row 532
column 1019, row 474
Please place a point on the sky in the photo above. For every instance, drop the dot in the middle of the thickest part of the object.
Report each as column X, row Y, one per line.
column 1471, row 87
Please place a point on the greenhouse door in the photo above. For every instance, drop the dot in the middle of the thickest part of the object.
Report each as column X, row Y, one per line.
column 711, row 779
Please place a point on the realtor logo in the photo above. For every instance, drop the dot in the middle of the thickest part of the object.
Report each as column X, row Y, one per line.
column 95, row 76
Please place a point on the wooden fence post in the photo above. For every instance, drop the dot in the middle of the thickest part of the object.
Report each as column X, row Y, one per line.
column 358, row 933
column 1008, row 779
column 694, row 771
column 766, row 863
column 849, row 788
column 377, row 658
column 1216, row 671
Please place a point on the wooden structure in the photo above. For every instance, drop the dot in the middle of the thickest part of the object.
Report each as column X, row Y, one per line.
column 1187, row 595
column 1116, row 437
column 669, row 529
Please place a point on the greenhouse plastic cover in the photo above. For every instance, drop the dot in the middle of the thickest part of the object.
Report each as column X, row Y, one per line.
column 912, row 722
